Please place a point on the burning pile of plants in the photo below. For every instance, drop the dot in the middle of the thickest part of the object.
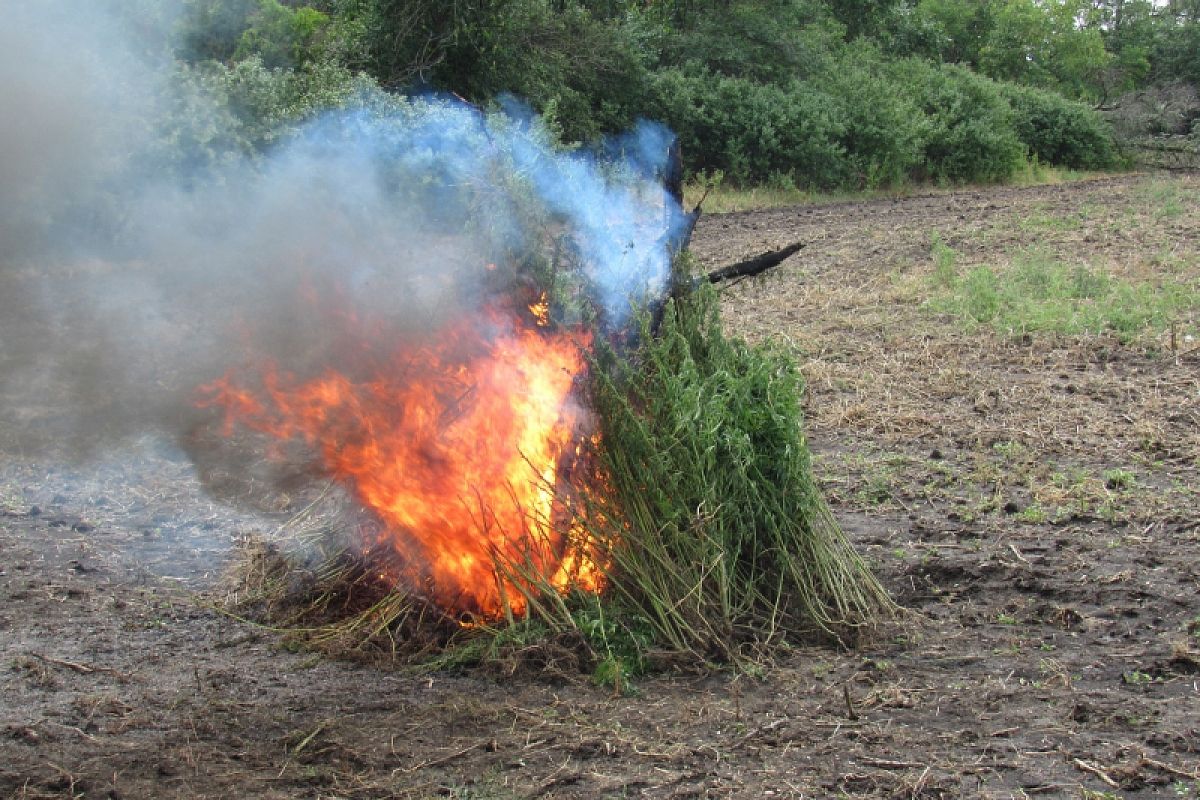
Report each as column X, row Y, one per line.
column 446, row 358
column 564, row 456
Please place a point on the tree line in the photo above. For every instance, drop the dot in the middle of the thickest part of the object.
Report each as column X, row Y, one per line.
column 821, row 94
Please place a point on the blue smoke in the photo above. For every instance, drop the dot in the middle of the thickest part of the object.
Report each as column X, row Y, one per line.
column 447, row 166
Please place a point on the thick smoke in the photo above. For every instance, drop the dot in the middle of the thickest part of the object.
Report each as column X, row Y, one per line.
column 126, row 279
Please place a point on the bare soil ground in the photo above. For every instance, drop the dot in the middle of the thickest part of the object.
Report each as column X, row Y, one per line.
column 1033, row 500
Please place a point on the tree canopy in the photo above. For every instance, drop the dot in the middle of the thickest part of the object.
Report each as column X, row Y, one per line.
column 815, row 93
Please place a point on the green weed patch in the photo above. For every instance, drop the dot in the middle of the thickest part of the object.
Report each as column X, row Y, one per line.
column 1037, row 293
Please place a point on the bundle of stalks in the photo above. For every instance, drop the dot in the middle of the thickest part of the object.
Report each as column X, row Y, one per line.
column 717, row 541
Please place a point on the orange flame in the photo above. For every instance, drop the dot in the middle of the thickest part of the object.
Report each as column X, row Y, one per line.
column 541, row 310
column 456, row 446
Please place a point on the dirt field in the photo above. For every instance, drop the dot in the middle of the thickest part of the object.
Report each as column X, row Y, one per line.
column 1032, row 498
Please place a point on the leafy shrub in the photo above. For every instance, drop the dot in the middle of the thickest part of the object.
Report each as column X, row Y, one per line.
column 751, row 131
column 862, row 123
column 920, row 30
column 269, row 102
column 970, row 134
column 1060, row 131
column 213, row 113
column 765, row 42
column 282, row 36
column 883, row 129
column 1176, row 54
column 585, row 74
column 212, row 29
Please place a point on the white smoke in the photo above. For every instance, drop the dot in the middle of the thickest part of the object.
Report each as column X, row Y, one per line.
column 132, row 270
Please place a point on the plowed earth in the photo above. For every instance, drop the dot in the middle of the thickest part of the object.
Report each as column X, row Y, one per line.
column 1032, row 498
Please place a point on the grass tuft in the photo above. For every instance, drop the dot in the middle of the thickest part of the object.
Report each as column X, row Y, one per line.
column 1037, row 293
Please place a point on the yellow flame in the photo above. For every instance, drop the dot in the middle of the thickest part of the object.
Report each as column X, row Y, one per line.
column 541, row 311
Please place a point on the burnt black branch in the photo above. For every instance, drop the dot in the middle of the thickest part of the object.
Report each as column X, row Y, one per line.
column 753, row 266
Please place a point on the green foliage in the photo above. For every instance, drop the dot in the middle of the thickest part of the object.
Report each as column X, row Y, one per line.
column 620, row 645
column 1119, row 479
column 1076, row 57
column 862, row 122
column 405, row 40
column 589, row 74
column 883, row 130
column 1175, row 55
column 1023, row 41
column 716, row 537
column 862, row 17
column 211, row 115
column 1129, row 30
column 941, row 30
column 1092, row 51
column 797, row 93
column 970, row 135
column 945, row 270
column 1163, row 197
column 262, row 105
column 1059, row 131
column 211, row 29
column 1039, row 294
column 752, row 131
column 776, row 41
column 1012, row 48
column 981, row 295
column 280, row 36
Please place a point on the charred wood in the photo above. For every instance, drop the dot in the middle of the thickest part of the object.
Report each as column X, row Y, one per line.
column 753, row 266
column 683, row 285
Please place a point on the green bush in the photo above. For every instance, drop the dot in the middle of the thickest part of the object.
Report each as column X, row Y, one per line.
column 970, row 134
column 584, row 74
column 883, row 129
column 754, row 132
column 212, row 113
column 282, row 36
column 765, row 42
column 763, row 92
column 1176, row 55
column 857, row 124
column 1060, row 131
column 212, row 29
column 268, row 103
column 865, row 123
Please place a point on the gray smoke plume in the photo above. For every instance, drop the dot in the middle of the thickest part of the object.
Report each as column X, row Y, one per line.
column 133, row 269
